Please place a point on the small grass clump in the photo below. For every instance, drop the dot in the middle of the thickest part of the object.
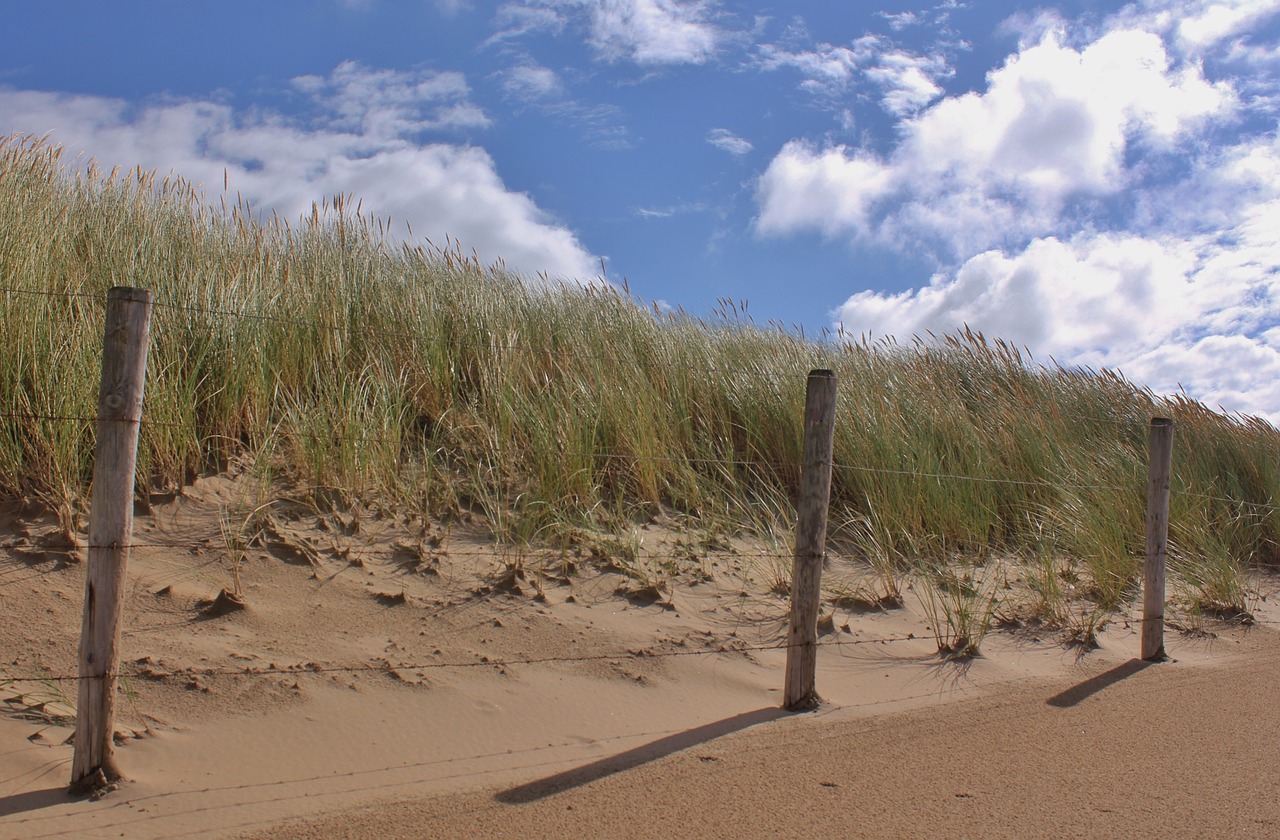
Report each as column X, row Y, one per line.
column 961, row 601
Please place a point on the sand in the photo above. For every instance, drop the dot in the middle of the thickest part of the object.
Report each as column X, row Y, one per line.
column 1164, row 751
column 374, row 694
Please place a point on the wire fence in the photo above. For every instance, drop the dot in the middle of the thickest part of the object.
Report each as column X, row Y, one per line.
column 564, row 347
column 483, row 662
column 759, row 464
column 352, row 550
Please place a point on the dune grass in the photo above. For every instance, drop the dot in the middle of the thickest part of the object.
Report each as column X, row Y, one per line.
column 350, row 364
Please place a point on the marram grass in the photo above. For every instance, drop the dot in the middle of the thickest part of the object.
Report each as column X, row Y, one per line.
column 349, row 364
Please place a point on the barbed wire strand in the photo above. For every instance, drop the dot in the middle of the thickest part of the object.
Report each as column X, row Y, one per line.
column 483, row 662
column 497, row 552
column 730, row 462
column 508, row 345
column 96, row 298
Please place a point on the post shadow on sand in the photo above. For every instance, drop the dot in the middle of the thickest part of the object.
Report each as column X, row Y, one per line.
column 1076, row 694
column 652, row 751
column 33, row 800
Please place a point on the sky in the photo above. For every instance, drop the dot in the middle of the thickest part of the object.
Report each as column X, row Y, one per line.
column 1096, row 182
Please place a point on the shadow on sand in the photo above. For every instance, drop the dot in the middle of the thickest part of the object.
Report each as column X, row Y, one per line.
column 34, row 800
column 1076, row 694
column 652, row 751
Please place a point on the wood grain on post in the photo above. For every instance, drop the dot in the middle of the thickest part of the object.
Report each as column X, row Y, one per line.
column 800, row 688
column 1159, row 471
column 124, row 365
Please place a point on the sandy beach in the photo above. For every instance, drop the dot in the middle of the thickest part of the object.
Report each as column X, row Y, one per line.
column 1158, row 751
column 368, row 697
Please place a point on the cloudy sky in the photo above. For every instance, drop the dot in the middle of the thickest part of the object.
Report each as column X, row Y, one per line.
column 1096, row 181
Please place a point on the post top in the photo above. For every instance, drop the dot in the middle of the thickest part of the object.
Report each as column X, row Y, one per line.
column 1161, row 421
column 825, row 374
column 130, row 294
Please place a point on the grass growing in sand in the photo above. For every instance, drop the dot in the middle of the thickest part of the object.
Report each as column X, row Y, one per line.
column 352, row 366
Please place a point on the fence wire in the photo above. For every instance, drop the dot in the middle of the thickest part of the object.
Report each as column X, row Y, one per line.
column 510, row 343
column 777, row 466
column 484, row 662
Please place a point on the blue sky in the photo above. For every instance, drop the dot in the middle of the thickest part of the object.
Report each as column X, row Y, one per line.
column 1096, row 181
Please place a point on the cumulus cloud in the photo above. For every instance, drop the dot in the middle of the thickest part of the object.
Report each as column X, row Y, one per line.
column 830, row 190
column 1054, row 123
column 1160, row 309
column 1173, row 311
column 1049, row 201
column 372, row 149
column 1055, row 120
column 726, row 140
column 1065, row 298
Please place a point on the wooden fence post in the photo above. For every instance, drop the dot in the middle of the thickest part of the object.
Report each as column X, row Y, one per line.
column 1159, row 470
column 800, row 691
column 124, row 365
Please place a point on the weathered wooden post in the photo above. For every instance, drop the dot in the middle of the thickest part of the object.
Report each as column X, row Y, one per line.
column 124, row 365
column 1159, row 471
column 800, row 690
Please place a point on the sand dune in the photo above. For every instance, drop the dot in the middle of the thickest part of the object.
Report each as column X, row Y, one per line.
column 388, row 693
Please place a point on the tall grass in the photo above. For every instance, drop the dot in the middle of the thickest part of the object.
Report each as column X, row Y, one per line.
column 352, row 364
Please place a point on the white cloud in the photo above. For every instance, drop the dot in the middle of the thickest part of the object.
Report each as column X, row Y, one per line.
column 283, row 164
column 831, row 191
column 1054, row 123
column 1055, row 120
column 1256, row 54
column 1235, row 372
column 516, row 20
column 1062, row 298
column 726, row 140
column 653, row 31
column 1203, row 24
column 1169, row 313
column 1197, row 27
column 901, row 20
column 907, row 80
column 532, row 81
column 682, row 209
column 1172, row 311
column 647, row 32
column 1013, row 189
column 827, row 69
column 391, row 103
